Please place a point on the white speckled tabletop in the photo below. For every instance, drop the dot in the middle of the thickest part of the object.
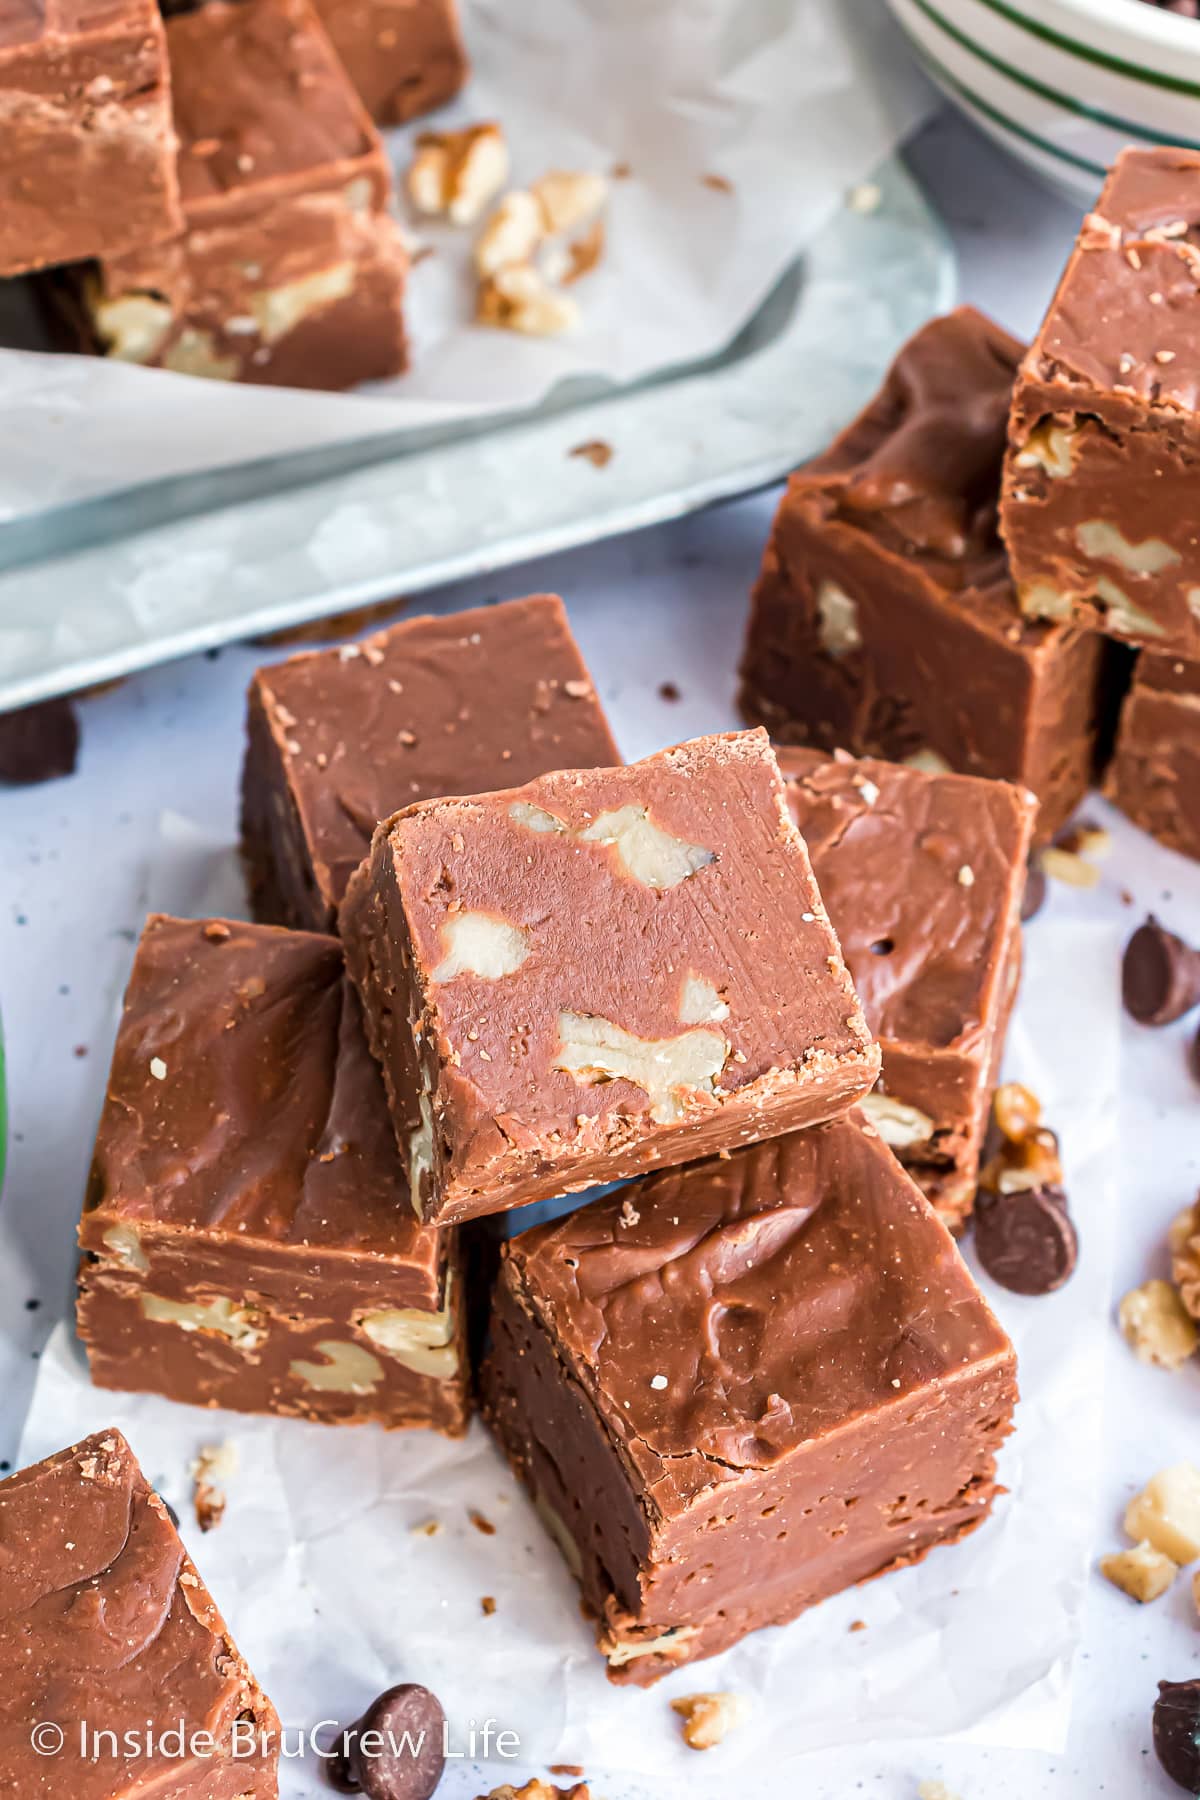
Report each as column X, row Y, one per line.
column 79, row 861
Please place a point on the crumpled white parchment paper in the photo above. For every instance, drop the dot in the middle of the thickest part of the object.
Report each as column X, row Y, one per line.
column 791, row 102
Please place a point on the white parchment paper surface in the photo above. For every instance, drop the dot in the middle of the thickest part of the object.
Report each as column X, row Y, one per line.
column 333, row 1594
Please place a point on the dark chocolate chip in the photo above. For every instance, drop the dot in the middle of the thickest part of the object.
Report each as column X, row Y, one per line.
column 396, row 1751
column 1177, row 1732
column 1160, row 975
column 39, row 743
column 1034, row 897
column 1026, row 1240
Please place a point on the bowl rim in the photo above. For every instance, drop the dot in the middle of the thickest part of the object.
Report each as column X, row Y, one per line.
column 1132, row 24
column 1130, row 18
column 1127, row 38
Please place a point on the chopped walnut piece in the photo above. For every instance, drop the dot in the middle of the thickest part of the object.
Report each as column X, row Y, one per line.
column 454, row 174
column 516, row 298
column 1183, row 1240
column 708, row 1718
column 568, row 197
column 1143, row 1573
column 214, row 1465
column 511, row 235
column 1066, row 866
column 1017, row 1109
column 1157, row 1326
column 1167, row 1513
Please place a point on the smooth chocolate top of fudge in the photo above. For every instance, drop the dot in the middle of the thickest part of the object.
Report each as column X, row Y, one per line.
column 431, row 707
column 243, row 1101
column 1167, row 675
column 920, row 467
column 258, row 94
column 104, row 1621
column 730, row 1311
column 1126, row 316
column 922, row 875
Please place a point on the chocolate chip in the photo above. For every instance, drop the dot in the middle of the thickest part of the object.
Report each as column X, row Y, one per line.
column 1026, row 1240
column 396, row 1751
column 1177, row 1732
column 39, row 743
column 1160, row 975
column 1034, row 897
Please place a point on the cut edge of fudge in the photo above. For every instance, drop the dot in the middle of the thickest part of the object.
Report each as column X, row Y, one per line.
column 1154, row 775
column 934, row 1093
column 1105, row 429
column 400, row 72
column 898, row 519
column 297, row 873
column 414, row 1029
column 214, row 1262
column 122, row 118
column 638, row 1520
column 103, row 1470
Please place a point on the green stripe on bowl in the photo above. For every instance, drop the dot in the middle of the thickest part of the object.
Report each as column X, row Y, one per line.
column 1088, row 52
column 942, row 74
column 1127, row 127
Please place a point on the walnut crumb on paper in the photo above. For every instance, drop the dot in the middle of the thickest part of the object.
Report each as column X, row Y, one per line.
column 487, row 1606
column 935, row 1790
column 481, row 1523
column 708, row 1718
column 214, row 1465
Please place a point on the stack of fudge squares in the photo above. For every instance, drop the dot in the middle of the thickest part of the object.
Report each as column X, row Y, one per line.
column 494, row 965
column 209, row 193
column 996, row 568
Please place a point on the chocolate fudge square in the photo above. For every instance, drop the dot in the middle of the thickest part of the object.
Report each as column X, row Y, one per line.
column 737, row 1388
column 1099, row 509
column 289, row 269
column 884, row 621
column 107, row 1629
column 248, row 1240
column 339, row 739
column 1154, row 776
column 87, row 154
column 404, row 56
column 923, row 875
column 572, row 981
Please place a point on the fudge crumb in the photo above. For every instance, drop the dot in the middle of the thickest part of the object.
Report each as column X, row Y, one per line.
column 214, row 1465
column 667, row 690
column 39, row 743
column 708, row 1718
column 721, row 184
column 481, row 1523
column 487, row 1606
column 430, row 1528
column 858, row 1624
column 595, row 451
